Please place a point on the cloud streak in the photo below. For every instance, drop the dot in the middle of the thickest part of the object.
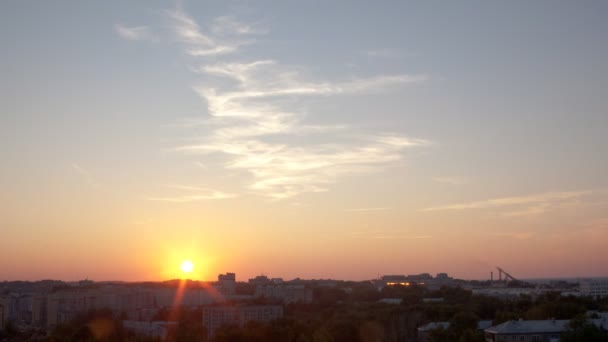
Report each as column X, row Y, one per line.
column 536, row 203
column 192, row 194
column 86, row 175
column 406, row 237
column 450, row 180
column 515, row 235
column 229, row 25
column 367, row 209
column 201, row 44
column 138, row 33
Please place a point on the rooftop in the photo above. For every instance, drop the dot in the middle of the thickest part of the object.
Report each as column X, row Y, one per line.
column 530, row 327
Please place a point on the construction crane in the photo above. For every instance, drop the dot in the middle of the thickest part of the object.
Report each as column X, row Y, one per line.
column 507, row 276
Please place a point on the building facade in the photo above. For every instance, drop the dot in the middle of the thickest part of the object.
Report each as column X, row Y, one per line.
column 215, row 317
column 594, row 287
column 287, row 293
column 527, row 331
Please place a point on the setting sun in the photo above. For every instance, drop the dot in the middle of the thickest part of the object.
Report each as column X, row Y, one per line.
column 187, row 266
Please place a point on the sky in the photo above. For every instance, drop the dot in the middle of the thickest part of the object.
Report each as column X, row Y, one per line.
column 312, row 139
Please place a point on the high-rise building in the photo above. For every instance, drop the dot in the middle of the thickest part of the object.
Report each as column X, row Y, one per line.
column 227, row 283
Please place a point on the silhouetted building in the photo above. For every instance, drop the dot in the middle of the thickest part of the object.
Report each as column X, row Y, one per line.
column 259, row 280
column 287, row 293
column 4, row 308
column 15, row 307
column 227, row 283
column 39, row 311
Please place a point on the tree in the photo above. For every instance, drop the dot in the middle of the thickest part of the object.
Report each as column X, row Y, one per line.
column 463, row 321
column 582, row 329
column 471, row 335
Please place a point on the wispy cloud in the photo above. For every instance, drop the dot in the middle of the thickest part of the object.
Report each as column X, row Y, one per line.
column 597, row 229
column 86, row 175
column 201, row 44
column 230, row 25
column 246, row 105
column 135, row 32
column 385, row 235
column 367, row 209
column 450, row 180
column 201, row 166
column 406, row 237
column 535, row 203
column 516, row 235
column 192, row 194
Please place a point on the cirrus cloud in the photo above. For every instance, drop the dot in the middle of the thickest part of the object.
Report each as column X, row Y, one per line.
column 248, row 109
column 142, row 33
column 246, row 106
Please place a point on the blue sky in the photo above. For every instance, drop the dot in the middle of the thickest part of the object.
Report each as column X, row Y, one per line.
column 395, row 120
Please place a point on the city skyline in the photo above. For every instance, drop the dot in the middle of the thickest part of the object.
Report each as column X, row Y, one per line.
column 343, row 140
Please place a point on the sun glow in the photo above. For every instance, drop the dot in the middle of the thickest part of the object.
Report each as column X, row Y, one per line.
column 187, row 266
column 181, row 259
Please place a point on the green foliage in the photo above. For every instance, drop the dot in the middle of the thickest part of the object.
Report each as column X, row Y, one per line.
column 554, row 310
column 471, row 335
column 463, row 321
column 583, row 330
column 504, row 316
column 442, row 335
column 328, row 296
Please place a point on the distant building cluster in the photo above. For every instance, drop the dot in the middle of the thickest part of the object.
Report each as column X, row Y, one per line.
column 278, row 290
column 508, row 292
column 44, row 305
column 139, row 304
column 15, row 307
column 594, row 287
column 423, row 279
